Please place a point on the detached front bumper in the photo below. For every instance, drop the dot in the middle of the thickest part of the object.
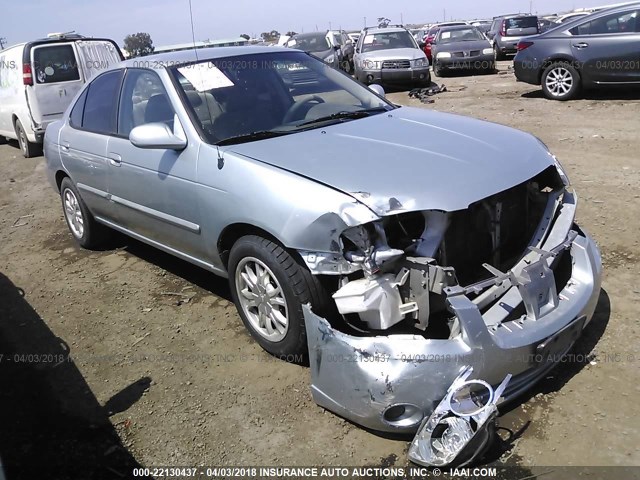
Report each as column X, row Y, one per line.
column 390, row 383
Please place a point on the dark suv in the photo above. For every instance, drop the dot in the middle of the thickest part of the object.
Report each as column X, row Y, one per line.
column 507, row 30
column 600, row 49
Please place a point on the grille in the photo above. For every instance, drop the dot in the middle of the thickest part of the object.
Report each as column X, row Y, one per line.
column 394, row 64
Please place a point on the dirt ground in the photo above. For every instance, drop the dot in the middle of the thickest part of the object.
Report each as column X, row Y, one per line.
column 162, row 372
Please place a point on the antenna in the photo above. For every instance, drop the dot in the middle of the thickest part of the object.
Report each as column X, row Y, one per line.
column 193, row 32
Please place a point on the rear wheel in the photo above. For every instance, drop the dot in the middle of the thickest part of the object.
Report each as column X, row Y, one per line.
column 29, row 149
column 269, row 287
column 87, row 232
column 560, row 81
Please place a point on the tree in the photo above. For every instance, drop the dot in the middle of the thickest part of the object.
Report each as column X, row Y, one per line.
column 138, row 44
column 245, row 36
column 383, row 22
column 271, row 36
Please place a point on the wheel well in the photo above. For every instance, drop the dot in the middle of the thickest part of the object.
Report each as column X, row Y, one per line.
column 551, row 61
column 232, row 233
column 60, row 175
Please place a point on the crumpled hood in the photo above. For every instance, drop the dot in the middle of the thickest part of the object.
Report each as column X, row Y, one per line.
column 408, row 159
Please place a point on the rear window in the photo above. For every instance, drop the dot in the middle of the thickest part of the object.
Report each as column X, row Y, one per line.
column 522, row 22
column 55, row 63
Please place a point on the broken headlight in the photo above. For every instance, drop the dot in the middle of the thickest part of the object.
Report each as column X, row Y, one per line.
column 461, row 426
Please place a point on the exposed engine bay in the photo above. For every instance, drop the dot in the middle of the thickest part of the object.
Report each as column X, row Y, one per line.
column 403, row 267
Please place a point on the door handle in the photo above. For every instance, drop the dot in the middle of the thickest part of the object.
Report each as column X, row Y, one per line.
column 581, row 45
column 115, row 159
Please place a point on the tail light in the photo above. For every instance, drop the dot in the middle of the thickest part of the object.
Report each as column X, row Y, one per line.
column 503, row 28
column 27, row 76
column 522, row 45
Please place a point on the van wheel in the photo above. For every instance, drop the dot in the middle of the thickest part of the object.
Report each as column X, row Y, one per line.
column 29, row 149
column 86, row 231
column 269, row 287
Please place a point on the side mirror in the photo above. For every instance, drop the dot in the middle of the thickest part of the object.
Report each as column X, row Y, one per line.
column 374, row 87
column 156, row 135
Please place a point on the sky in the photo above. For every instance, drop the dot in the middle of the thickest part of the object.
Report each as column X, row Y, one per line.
column 168, row 21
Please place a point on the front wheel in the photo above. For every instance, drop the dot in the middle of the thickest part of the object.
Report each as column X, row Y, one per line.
column 560, row 81
column 269, row 287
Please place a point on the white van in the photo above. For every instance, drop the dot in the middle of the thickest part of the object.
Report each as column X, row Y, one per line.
column 39, row 79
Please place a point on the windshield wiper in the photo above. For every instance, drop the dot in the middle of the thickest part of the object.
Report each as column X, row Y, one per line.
column 344, row 115
column 249, row 137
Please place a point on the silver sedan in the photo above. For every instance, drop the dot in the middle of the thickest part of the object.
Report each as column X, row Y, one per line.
column 392, row 247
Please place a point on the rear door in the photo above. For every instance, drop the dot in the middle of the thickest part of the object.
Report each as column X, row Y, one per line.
column 57, row 78
column 95, row 56
column 84, row 139
column 607, row 48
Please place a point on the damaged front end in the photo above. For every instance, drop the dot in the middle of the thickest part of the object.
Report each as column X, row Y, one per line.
column 503, row 287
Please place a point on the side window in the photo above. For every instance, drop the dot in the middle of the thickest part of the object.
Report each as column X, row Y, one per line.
column 626, row 22
column 143, row 100
column 55, row 63
column 102, row 100
column 78, row 110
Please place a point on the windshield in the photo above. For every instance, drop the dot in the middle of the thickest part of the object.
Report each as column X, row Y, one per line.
column 462, row 35
column 252, row 97
column 309, row 43
column 388, row 40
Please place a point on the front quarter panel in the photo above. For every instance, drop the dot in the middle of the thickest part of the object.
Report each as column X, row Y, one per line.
column 301, row 213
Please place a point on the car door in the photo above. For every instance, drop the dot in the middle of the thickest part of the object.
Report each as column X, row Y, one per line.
column 84, row 138
column 57, row 79
column 153, row 191
column 607, row 48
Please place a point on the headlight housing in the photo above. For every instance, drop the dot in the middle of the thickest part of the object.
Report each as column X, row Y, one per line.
column 487, row 51
column 443, row 55
column 462, row 419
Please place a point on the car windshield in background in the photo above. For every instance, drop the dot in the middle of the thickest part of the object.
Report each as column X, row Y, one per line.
column 522, row 22
column 465, row 35
column 253, row 97
column 310, row 43
column 387, row 40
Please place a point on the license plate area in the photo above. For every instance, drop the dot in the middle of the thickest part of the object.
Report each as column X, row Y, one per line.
column 556, row 346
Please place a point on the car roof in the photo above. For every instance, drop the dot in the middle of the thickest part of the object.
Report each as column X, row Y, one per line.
column 198, row 55
column 386, row 30
column 456, row 27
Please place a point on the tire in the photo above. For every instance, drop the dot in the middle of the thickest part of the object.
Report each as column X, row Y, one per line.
column 29, row 149
column 560, row 81
column 498, row 54
column 85, row 230
column 281, row 313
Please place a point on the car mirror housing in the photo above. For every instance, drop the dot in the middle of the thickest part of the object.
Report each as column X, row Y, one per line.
column 156, row 135
column 377, row 89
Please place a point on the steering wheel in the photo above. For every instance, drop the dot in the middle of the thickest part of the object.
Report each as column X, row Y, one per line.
column 296, row 107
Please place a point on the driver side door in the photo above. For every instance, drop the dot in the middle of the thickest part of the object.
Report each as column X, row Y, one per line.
column 153, row 190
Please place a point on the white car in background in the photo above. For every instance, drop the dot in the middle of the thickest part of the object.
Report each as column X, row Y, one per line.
column 38, row 80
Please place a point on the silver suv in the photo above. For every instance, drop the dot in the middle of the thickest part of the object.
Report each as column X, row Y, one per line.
column 390, row 56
